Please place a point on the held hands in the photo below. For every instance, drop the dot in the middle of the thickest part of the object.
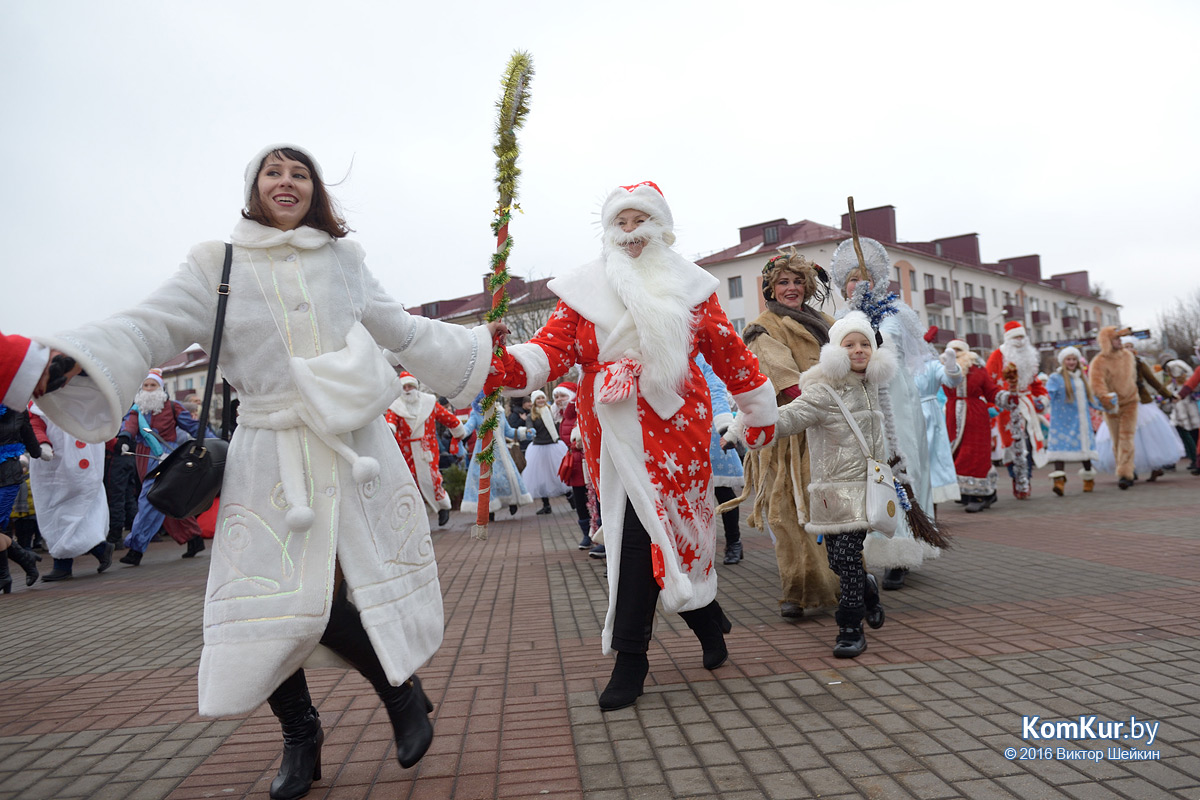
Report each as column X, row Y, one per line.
column 47, row 453
column 58, row 372
column 758, row 438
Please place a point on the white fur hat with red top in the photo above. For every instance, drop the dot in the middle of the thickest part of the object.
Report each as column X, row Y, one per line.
column 1014, row 328
column 645, row 197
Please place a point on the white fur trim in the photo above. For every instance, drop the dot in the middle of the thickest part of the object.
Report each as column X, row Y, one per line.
column 536, row 364
column 1068, row 351
column 27, row 377
column 1057, row 474
column 642, row 197
column 756, row 408
column 722, row 421
column 898, row 551
column 852, row 322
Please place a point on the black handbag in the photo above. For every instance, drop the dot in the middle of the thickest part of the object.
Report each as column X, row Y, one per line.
column 188, row 480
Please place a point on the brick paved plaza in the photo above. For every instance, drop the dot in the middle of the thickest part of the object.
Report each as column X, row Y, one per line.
column 1055, row 607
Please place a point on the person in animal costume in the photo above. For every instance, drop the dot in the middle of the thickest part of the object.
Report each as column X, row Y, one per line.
column 1156, row 444
column 1071, row 437
column 413, row 418
column 865, row 283
column 1113, row 378
column 1014, row 365
column 633, row 319
column 787, row 338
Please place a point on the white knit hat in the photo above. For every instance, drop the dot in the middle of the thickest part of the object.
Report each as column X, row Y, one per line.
column 256, row 163
column 1069, row 351
column 645, row 197
column 537, row 393
column 854, row 321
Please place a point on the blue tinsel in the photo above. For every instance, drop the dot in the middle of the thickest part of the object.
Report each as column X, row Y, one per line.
column 875, row 305
column 902, row 496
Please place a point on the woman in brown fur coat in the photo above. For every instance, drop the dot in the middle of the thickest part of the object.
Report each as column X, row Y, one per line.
column 787, row 339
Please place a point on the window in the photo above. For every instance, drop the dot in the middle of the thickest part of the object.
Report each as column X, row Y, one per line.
column 956, row 290
column 1007, row 299
column 1033, row 304
column 999, row 333
column 1054, row 308
column 430, row 309
column 738, row 323
column 188, row 384
column 912, row 279
column 928, row 281
column 969, row 288
column 735, row 287
column 995, row 300
column 945, row 286
column 771, row 234
column 983, row 294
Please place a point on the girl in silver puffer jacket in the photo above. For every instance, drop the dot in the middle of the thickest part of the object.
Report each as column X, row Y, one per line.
column 853, row 366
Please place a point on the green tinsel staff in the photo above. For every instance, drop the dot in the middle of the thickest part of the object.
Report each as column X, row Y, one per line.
column 512, row 107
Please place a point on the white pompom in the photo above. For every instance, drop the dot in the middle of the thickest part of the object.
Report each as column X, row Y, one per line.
column 300, row 518
column 365, row 469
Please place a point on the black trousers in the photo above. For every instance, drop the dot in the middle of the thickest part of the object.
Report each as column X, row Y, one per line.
column 730, row 518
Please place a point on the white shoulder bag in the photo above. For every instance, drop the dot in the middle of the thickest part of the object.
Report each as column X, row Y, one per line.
column 881, row 498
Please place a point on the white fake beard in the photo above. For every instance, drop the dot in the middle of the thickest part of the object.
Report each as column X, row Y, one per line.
column 653, row 288
column 150, row 403
column 410, row 400
column 965, row 359
column 1026, row 359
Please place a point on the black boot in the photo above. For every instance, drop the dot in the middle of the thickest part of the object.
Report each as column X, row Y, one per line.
column 733, row 552
column 585, row 527
column 302, row 739
column 710, row 626
column 894, row 578
column 512, row 509
column 195, row 545
column 443, row 516
column 103, row 553
column 26, row 560
column 61, row 571
column 133, row 557
column 545, row 509
column 851, row 642
column 625, row 683
column 5, row 578
column 407, row 706
column 874, row 614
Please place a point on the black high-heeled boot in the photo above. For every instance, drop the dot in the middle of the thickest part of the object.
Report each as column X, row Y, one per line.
column 302, row 739
column 407, row 706
column 626, row 682
column 26, row 560
column 710, row 626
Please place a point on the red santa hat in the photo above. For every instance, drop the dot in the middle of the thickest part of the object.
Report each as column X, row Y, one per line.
column 156, row 376
column 645, row 197
column 566, row 387
column 407, row 379
column 931, row 334
column 1014, row 328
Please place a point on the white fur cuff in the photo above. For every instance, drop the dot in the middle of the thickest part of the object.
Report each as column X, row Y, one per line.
column 28, row 374
column 536, row 364
column 756, row 408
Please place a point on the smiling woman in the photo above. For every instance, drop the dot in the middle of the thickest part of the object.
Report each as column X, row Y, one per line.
column 285, row 189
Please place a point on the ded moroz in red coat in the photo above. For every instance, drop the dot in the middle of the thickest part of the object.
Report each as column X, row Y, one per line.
column 1029, row 389
column 650, row 446
column 970, row 428
column 421, row 448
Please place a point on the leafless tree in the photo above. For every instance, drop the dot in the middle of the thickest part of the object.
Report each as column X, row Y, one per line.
column 1179, row 325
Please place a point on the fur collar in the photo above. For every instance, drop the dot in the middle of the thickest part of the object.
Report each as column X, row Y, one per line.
column 248, row 233
column 806, row 316
column 834, row 368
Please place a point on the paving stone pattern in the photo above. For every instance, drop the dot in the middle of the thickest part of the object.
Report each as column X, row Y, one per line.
column 1056, row 607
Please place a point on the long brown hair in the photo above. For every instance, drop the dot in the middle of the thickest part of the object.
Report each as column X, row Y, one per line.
column 323, row 213
column 1066, row 374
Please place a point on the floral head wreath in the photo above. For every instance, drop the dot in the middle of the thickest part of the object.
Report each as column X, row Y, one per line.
column 800, row 267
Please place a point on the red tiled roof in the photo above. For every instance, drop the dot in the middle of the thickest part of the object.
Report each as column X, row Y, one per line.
column 803, row 232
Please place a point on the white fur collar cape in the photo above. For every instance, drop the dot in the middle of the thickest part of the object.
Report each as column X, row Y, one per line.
column 833, row 368
column 294, row 501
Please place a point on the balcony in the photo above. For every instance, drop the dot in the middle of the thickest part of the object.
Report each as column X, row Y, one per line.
column 1090, row 326
column 937, row 298
column 1014, row 312
column 1070, row 323
column 974, row 305
column 1039, row 318
column 894, row 287
column 979, row 341
column 944, row 336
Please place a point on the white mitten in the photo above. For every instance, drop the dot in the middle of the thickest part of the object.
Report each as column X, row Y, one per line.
column 949, row 359
column 47, row 452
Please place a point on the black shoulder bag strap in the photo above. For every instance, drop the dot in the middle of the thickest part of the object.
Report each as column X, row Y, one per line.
column 222, row 299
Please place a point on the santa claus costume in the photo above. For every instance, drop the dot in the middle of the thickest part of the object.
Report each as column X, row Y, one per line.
column 633, row 319
column 969, row 428
column 72, row 503
column 1014, row 366
column 544, row 454
column 1070, row 437
column 413, row 418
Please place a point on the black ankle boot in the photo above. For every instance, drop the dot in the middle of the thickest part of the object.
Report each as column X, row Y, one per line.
column 5, row 578
column 194, row 545
column 874, row 611
column 103, row 553
column 443, row 516
column 625, row 683
column 733, row 552
column 302, row 739
column 545, row 509
column 894, row 577
column 851, row 642
column 133, row 557
column 409, row 709
column 62, row 570
column 26, row 560
column 710, row 626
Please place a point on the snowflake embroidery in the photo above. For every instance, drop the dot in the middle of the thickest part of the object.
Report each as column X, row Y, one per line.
column 701, row 410
column 559, row 313
column 724, row 331
column 693, row 467
column 679, row 422
column 742, row 374
column 670, row 464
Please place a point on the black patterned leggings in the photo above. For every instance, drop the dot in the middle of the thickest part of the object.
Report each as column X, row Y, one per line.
column 845, row 559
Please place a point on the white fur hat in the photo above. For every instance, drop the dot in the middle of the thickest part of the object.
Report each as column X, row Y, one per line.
column 536, row 394
column 1178, row 368
column 958, row 345
column 1069, row 351
column 644, row 196
column 845, row 261
column 854, row 321
column 256, row 162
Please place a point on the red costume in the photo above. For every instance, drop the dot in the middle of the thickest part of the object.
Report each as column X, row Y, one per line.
column 1014, row 366
column 413, row 419
column 22, row 363
column 970, row 427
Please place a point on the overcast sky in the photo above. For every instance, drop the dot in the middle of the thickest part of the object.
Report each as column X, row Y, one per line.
column 1067, row 129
